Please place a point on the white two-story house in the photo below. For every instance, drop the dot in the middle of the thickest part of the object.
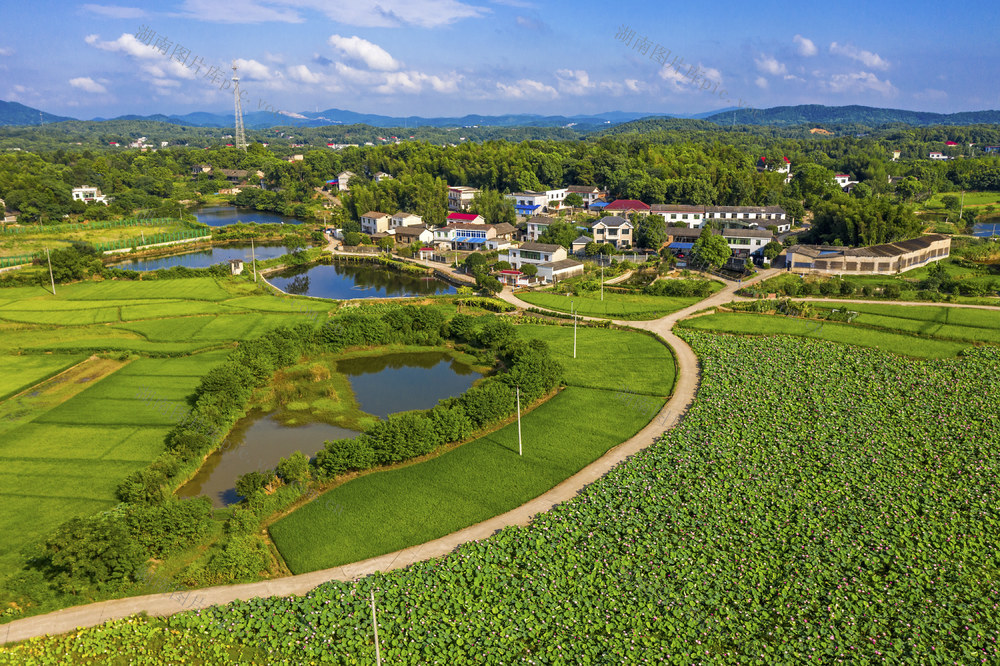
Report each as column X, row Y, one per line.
column 615, row 230
column 374, row 223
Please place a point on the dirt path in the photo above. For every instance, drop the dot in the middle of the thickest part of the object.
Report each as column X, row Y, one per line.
column 687, row 372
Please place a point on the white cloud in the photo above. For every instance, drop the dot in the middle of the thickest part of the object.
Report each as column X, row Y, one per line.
column 87, row 84
column 253, row 70
column 574, row 82
column 690, row 81
column 302, row 74
column 861, row 82
column 238, row 11
column 365, row 13
column 806, row 46
column 761, row 82
column 372, row 55
column 114, row 11
column 151, row 61
column 770, row 65
column 527, row 89
column 6, row 51
column 866, row 58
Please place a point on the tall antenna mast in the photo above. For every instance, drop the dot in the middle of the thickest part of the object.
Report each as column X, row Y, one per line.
column 241, row 139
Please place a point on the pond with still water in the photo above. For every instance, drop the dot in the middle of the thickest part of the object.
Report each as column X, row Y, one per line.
column 382, row 385
column 223, row 216
column 344, row 281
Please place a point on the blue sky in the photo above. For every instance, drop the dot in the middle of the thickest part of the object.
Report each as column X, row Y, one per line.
column 452, row 57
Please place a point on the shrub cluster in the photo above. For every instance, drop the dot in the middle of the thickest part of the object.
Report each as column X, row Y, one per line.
column 699, row 288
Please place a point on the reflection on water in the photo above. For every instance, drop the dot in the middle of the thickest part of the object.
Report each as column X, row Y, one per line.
column 382, row 385
column 393, row 383
column 204, row 258
column 343, row 281
column 223, row 216
column 257, row 442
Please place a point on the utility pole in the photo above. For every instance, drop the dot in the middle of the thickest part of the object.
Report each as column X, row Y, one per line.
column 602, row 277
column 520, row 451
column 51, row 279
column 253, row 256
column 573, row 310
column 961, row 208
column 378, row 654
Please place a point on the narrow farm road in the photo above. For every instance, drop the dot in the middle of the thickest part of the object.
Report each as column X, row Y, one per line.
column 69, row 619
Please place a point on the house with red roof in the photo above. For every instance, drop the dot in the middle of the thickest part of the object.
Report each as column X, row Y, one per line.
column 625, row 206
column 468, row 218
column 950, row 143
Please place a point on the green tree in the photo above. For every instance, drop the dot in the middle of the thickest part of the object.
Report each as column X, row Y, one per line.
column 573, row 199
column 951, row 202
column 494, row 207
column 651, row 232
column 529, row 269
column 712, row 249
column 386, row 243
column 559, row 233
column 88, row 553
column 772, row 250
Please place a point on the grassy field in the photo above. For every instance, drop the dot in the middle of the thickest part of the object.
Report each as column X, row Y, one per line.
column 469, row 484
column 11, row 244
column 971, row 200
column 762, row 324
column 63, row 455
column 20, row 372
column 648, row 366
column 148, row 317
column 66, row 443
column 964, row 324
column 614, row 305
column 486, row 477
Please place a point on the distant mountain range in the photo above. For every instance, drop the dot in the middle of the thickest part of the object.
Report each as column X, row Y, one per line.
column 815, row 114
column 264, row 119
column 13, row 113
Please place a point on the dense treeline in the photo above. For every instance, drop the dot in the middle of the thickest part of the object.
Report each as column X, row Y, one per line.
column 657, row 162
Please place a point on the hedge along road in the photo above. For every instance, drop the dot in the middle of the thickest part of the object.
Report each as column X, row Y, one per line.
column 687, row 373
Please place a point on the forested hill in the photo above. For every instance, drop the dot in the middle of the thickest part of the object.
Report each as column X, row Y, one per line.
column 12, row 113
column 816, row 114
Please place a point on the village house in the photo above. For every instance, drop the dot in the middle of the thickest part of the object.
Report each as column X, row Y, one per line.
column 615, row 230
column 550, row 260
column 744, row 242
column 589, row 193
column 528, row 203
column 380, row 176
column 692, row 216
column 199, row 169
column 749, row 216
column 89, row 194
column 578, row 246
column 467, row 218
column 407, row 235
column 464, row 235
column 626, row 206
column 505, row 231
column 537, row 225
column 885, row 259
column 401, row 219
column 374, row 222
column 343, row 180
column 459, row 197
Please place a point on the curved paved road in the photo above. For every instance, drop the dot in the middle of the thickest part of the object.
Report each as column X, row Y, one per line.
column 90, row 615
